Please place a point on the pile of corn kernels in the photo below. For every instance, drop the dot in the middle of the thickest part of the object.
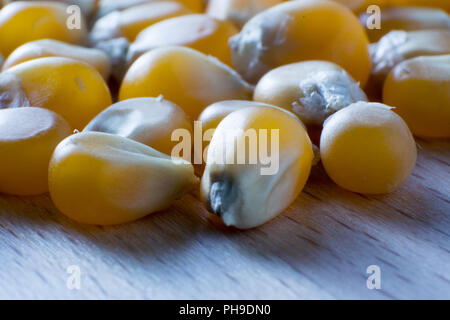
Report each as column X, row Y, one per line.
column 118, row 107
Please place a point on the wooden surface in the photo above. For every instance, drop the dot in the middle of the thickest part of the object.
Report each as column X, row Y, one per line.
column 319, row 248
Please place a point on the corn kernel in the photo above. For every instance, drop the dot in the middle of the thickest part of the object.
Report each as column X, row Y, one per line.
column 53, row 48
column 419, row 90
column 197, row 31
column 398, row 46
column 28, row 137
column 238, row 11
column 71, row 88
column 150, row 121
column 129, row 22
column 301, row 30
column 103, row 179
column 313, row 90
column 241, row 194
column 184, row 76
column 367, row 148
column 22, row 22
column 407, row 19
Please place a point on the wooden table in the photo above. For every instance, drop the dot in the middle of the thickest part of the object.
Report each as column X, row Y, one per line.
column 319, row 248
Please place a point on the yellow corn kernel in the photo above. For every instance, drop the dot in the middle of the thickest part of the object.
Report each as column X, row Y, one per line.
column 28, row 137
column 104, row 179
column 313, row 90
column 407, row 19
column 367, row 148
column 129, row 22
column 419, row 90
column 301, row 30
column 71, row 88
column 197, row 31
column 443, row 4
column 398, row 46
column 184, row 76
column 150, row 121
column 243, row 194
column 107, row 6
column 53, row 48
column 238, row 11
column 22, row 22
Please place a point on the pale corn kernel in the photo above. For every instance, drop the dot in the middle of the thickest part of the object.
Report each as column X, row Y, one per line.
column 150, row 121
column 239, row 193
column 313, row 90
column 398, row 46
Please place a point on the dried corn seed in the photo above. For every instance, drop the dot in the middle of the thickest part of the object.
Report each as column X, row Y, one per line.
column 150, row 121
column 398, row 46
column 367, row 148
column 41, row 20
column 250, row 193
column 184, row 76
column 53, row 48
column 197, row 31
column 28, row 137
column 313, row 90
column 301, row 30
column 419, row 90
column 105, row 179
column 71, row 88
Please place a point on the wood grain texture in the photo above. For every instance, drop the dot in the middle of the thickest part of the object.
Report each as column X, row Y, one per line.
column 319, row 248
